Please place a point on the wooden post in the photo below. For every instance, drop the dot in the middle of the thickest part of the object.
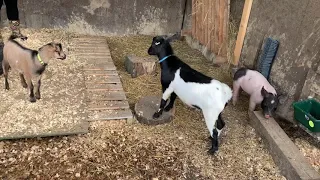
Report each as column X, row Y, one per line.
column 242, row 30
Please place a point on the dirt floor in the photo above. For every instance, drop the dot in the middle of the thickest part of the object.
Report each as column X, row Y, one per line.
column 177, row 150
column 61, row 107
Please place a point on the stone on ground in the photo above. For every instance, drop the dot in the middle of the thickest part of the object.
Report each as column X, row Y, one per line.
column 138, row 66
column 147, row 106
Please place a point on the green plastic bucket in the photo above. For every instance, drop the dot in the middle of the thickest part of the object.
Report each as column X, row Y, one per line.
column 307, row 112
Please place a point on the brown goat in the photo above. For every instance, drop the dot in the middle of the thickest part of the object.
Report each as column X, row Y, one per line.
column 29, row 63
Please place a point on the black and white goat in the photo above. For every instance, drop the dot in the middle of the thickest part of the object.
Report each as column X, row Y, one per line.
column 192, row 87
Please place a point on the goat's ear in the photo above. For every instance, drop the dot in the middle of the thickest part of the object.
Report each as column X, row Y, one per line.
column 174, row 37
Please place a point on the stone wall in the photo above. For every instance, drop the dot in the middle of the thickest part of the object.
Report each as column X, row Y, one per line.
column 112, row 17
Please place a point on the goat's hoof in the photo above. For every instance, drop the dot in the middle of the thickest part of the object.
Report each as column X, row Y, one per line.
column 156, row 115
column 213, row 151
column 33, row 100
column 24, row 85
column 38, row 96
column 168, row 108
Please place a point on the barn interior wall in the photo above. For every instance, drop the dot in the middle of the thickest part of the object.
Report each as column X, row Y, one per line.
column 296, row 25
column 104, row 17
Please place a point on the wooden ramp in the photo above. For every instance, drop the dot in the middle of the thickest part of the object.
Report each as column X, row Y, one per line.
column 105, row 96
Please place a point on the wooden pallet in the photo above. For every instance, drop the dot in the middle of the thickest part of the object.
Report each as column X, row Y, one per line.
column 105, row 96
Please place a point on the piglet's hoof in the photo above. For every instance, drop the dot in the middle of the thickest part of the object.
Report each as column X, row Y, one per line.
column 33, row 99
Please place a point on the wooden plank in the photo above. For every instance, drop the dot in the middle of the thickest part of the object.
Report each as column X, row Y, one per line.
column 94, row 54
column 107, row 96
column 95, row 67
column 98, row 62
column 209, row 24
column 96, row 59
column 201, row 22
column 203, row 14
column 197, row 20
column 89, row 40
column 82, row 128
column 226, row 28
column 89, row 45
column 103, row 87
column 107, row 105
column 212, row 33
column 102, row 79
column 101, row 73
column 242, row 31
column 110, row 115
column 221, row 21
column 114, row 80
column 91, row 50
column 292, row 163
column 193, row 16
column 84, row 45
column 203, row 26
column 217, row 23
column 205, row 22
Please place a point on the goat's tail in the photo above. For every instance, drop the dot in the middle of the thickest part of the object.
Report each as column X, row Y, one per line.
column 227, row 92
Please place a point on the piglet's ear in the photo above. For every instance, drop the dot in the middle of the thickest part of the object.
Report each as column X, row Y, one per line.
column 264, row 93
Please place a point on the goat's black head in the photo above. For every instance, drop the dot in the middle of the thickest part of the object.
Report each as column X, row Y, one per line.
column 161, row 44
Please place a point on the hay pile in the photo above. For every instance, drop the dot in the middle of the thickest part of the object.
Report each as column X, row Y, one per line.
column 61, row 108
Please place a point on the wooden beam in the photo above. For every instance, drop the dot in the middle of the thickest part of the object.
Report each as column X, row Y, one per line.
column 242, row 31
column 291, row 162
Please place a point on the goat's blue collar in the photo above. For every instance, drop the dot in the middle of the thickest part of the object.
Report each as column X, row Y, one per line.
column 161, row 60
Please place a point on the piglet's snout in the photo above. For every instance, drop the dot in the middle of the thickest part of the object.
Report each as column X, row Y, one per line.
column 267, row 116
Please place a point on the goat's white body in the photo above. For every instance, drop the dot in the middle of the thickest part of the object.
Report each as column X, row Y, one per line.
column 211, row 98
